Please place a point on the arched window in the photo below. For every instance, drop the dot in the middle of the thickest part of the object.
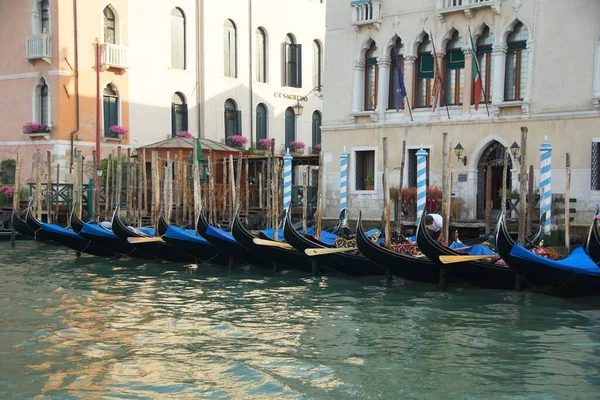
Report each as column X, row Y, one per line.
column 292, row 62
column 455, row 71
column 42, row 103
column 230, row 49
column 424, row 75
column 371, row 76
column 316, row 132
column 396, row 68
column 233, row 119
column 515, row 81
column 261, row 55
column 178, row 39
column 290, row 126
column 110, row 109
column 484, row 57
column 109, row 26
column 317, row 64
column 179, row 114
column 261, row 122
column 45, row 16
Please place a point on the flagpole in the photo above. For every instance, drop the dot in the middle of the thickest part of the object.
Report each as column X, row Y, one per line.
column 401, row 86
column 479, row 69
column 409, row 110
column 435, row 60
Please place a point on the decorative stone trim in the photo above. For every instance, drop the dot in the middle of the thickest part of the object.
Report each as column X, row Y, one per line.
column 384, row 61
column 359, row 65
column 499, row 48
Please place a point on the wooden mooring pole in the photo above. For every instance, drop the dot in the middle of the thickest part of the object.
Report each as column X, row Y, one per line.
column 523, row 186
column 16, row 200
column 386, row 196
column 49, row 187
column 568, row 206
column 445, row 204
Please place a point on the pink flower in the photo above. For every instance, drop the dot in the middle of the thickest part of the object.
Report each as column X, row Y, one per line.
column 265, row 143
column 184, row 134
column 318, row 146
column 119, row 130
column 237, row 140
column 35, row 127
column 294, row 145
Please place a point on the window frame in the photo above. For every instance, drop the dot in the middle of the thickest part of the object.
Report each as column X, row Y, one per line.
column 289, row 118
column 352, row 169
column 258, row 117
column 428, row 82
column 107, row 133
column 316, row 136
column 230, row 49
column 452, row 76
column 232, row 114
column 106, row 27
column 175, row 51
column 292, row 62
column 396, row 55
column 183, row 107
column 261, row 55
column 516, row 47
column 317, row 63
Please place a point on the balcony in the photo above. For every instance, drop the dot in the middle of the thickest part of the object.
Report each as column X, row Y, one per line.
column 467, row 6
column 366, row 13
column 113, row 56
column 39, row 47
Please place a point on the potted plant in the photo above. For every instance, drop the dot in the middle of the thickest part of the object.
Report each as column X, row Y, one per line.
column 36, row 127
column 265, row 143
column 184, row 135
column 369, row 183
column 6, row 194
column 297, row 147
column 237, row 141
column 317, row 148
column 119, row 131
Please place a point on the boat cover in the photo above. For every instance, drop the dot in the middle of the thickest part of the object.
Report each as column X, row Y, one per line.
column 219, row 233
column 190, row 235
column 475, row 250
column 51, row 228
column 96, row 230
column 578, row 261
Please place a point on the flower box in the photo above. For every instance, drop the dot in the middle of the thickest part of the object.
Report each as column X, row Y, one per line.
column 36, row 128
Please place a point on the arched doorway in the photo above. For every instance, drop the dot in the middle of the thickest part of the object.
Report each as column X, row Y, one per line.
column 492, row 158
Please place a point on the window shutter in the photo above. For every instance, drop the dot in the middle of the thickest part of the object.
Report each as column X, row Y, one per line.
column 456, row 60
column 232, row 54
column 37, row 104
column 173, row 120
column 238, row 122
column 298, row 50
column 284, row 52
column 106, row 110
column 184, row 117
column 425, row 67
column 226, row 51
column 181, row 43
column 174, row 43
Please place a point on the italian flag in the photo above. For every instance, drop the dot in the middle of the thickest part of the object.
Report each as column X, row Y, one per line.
column 476, row 76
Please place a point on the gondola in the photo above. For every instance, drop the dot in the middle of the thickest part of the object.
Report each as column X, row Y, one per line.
column 485, row 274
column 402, row 265
column 106, row 238
column 592, row 242
column 190, row 242
column 225, row 242
column 574, row 276
column 158, row 250
column 66, row 237
column 353, row 264
column 275, row 255
column 20, row 225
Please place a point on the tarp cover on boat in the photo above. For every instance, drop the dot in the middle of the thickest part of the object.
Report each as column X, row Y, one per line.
column 59, row 230
column 270, row 233
column 475, row 250
column 219, row 233
column 181, row 234
column 96, row 230
column 578, row 261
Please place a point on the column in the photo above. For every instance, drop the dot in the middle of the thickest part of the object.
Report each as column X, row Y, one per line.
column 421, row 183
column 467, row 94
column 287, row 180
column 359, row 87
column 409, row 80
column 383, row 85
column 499, row 60
column 546, row 184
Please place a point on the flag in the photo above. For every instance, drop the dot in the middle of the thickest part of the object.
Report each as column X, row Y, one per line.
column 437, row 81
column 477, row 87
column 400, row 90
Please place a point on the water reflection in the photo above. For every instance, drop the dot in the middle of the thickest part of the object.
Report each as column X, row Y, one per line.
column 95, row 328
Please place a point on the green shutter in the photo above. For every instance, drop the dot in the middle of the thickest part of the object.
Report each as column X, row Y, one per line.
column 455, row 60
column 512, row 46
column 425, row 67
column 238, row 122
column 298, row 65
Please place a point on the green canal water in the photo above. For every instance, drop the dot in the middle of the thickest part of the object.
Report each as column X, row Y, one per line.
column 91, row 328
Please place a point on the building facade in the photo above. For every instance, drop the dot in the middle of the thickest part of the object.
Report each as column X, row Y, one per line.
column 211, row 68
column 535, row 73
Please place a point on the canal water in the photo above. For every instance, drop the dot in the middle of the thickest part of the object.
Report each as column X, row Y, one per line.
column 89, row 328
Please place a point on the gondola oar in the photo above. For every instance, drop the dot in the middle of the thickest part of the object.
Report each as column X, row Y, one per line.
column 144, row 239
column 321, row 252
column 264, row 242
column 457, row 259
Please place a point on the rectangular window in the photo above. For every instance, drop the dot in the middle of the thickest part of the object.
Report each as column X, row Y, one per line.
column 292, row 65
column 229, row 48
column 484, row 56
column 515, row 81
column 111, row 116
column 177, row 42
column 364, row 170
column 595, row 184
column 424, row 80
column 233, row 123
column 412, row 167
column 261, row 66
column 371, row 75
column 455, row 77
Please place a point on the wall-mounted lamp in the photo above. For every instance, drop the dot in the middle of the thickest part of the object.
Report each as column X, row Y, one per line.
column 515, row 150
column 458, row 150
column 298, row 108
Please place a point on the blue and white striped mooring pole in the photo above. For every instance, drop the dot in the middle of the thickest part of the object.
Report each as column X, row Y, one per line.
column 546, row 184
column 421, row 183
column 343, row 184
column 287, row 179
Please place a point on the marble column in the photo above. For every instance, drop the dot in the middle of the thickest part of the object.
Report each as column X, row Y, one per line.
column 467, row 94
column 499, row 60
column 439, row 55
column 383, row 85
column 359, row 86
column 409, row 80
